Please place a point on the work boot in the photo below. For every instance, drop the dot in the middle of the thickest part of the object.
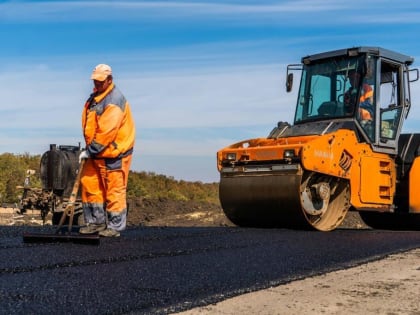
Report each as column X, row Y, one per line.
column 109, row 233
column 92, row 228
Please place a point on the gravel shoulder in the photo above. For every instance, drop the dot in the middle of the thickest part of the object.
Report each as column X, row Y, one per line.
column 388, row 286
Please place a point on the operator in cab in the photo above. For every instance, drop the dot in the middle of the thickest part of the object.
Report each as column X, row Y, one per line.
column 366, row 111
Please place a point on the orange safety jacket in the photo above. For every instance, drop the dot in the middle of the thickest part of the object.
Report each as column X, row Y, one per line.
column 108, row 125
column 366, row 95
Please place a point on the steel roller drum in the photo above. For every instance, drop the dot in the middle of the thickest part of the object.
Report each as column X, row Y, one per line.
column 263, row 198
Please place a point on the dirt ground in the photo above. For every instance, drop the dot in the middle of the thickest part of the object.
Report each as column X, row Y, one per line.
column 189, row 213
column 165, row 212
column 159, row 212
column 142, row 212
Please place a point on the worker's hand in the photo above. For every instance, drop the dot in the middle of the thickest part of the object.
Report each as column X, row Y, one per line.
column 83, row 155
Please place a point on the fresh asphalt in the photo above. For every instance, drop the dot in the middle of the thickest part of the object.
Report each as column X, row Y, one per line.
column 155, row 270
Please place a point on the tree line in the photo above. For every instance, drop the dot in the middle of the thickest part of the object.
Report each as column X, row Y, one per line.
column 14, row 167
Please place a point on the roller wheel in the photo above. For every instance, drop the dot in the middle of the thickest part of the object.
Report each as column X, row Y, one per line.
column 325, row 200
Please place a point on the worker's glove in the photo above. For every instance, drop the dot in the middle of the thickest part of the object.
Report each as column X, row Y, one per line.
column 83, row 155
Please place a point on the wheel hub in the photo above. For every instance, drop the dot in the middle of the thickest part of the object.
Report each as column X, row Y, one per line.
column 315, row 199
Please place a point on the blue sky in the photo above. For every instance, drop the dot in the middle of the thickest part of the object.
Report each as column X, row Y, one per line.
column 199, row 75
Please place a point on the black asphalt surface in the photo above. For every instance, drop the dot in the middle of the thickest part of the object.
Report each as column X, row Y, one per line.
column 163, row 270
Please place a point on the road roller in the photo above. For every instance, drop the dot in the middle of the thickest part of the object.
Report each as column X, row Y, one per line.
column 345, row 150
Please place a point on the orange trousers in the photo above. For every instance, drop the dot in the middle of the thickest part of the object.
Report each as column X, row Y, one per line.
column 104, row 187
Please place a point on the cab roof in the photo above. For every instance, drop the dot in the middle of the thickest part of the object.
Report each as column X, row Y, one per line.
column 354, row 51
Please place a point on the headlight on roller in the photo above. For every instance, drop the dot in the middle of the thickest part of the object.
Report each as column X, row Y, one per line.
column 231, row 156
column 289, row 154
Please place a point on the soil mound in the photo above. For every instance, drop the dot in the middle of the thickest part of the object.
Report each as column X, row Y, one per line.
column 168, row 212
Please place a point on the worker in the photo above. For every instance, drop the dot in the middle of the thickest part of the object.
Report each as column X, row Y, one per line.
column 366, row 97
column 109, row 132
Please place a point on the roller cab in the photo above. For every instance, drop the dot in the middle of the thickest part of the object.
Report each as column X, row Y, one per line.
column 343, row 151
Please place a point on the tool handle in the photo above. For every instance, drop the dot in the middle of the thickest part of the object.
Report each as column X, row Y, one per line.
column 69, row 210
column 73, row 195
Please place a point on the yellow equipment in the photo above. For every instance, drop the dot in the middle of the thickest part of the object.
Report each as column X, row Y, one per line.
column 344, row 150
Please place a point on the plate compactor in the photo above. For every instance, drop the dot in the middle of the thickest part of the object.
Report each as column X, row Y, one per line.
column 60, row 175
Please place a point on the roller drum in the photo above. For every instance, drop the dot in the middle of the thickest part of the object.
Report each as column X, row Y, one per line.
column 270, row 199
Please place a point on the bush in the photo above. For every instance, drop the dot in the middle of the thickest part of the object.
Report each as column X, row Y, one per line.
column 140, row 184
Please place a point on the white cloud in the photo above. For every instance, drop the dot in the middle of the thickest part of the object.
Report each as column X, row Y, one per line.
column 227, row 97
column 82, row 9
column 247, row 11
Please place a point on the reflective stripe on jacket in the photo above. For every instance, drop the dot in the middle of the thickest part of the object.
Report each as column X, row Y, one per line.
column 108, row 126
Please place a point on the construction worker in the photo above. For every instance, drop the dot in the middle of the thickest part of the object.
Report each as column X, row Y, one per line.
column 109, row 132
column 365, row 100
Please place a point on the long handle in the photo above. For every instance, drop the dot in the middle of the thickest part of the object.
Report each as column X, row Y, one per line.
column 73, row 195
column 69, row 210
